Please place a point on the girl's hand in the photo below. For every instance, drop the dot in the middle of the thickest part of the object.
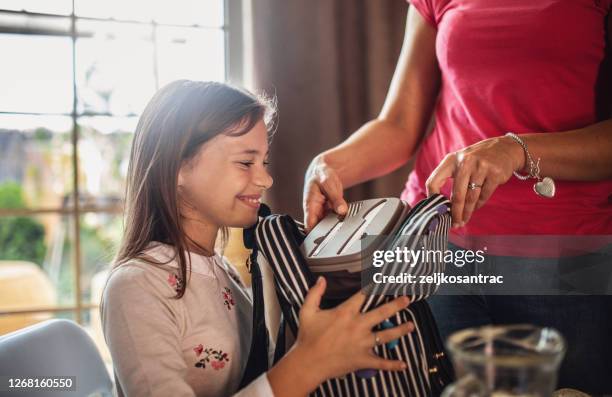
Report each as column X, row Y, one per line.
column 488, row 164
column 322, row 189
column 340, row 340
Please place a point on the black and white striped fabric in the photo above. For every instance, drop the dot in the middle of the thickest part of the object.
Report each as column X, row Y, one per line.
column 278, row 237
column 425, row 229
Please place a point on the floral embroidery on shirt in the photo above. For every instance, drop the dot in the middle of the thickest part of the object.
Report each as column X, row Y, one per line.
column 175, row 281
column 228, row 298
column 216, row 358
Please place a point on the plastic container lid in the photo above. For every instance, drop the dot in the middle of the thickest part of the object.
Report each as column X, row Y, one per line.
column 339, row 243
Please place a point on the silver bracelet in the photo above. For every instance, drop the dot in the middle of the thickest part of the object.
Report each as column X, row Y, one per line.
column 534, row 167
column 544, row 187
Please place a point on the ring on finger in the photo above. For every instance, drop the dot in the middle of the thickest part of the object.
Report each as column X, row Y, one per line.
column 376, row 339
column 473, row 186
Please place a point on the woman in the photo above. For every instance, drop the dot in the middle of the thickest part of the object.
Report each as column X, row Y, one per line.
column 484, row 68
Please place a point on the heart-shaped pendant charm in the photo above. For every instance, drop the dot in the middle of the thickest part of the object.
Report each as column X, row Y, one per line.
column 545, row 187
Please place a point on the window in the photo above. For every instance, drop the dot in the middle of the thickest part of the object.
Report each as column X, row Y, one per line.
column 75, row 76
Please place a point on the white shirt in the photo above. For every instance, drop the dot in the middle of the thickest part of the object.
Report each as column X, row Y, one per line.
column 194, row 346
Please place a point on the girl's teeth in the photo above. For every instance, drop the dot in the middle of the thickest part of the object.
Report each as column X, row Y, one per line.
column 250, row 200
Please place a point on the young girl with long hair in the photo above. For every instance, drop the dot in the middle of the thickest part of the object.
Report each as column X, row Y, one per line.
column 176, row 316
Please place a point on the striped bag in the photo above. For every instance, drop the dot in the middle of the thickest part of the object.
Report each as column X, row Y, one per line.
column 275, row 241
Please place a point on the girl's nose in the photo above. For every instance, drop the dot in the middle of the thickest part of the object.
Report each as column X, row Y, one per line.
column 264, row 179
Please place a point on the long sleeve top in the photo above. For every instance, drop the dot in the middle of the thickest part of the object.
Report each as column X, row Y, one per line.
column 197, row 345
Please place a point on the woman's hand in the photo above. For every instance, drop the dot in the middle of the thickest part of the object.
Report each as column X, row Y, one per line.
column 331, row 343
column 322, row 190
column 487, row 164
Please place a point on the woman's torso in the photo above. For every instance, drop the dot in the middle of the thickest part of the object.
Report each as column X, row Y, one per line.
column 522, row 66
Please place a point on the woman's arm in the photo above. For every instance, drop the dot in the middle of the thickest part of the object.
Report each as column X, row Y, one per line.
column 583, row 154
column 386, row 143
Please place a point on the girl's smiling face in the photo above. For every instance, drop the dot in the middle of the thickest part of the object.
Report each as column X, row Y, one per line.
column 222, row 184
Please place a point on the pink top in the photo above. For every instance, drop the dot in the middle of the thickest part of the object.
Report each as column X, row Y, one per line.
column 523, row 66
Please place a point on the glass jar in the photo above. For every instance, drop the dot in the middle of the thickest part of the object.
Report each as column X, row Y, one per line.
column 510, row 360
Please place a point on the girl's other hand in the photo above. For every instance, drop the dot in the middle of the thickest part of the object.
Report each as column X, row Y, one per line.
column 341, row 340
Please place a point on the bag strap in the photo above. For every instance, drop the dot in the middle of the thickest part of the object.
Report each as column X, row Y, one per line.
column 257, row 362
column 279, row 351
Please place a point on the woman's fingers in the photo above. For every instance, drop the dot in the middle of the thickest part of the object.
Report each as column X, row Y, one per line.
column 383, row 312
column 314, row 206
column 443, row 171
column 323, row 188
column 487, row 190
column 487, row 163
column 478, row 177
column 460, row 187
column 471, row 198
column 333, row 191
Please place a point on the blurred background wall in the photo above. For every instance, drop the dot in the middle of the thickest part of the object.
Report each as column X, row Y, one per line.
column 330, row 64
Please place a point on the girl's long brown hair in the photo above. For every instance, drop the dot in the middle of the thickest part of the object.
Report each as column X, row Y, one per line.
column 180, row 117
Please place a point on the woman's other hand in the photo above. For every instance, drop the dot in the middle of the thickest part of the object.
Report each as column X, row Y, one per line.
column 487, row 164
column 322, row 190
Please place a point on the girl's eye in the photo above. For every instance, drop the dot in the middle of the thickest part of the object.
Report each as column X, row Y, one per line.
column 248, row 164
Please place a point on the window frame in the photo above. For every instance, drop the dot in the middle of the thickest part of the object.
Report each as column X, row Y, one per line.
column 233, row 42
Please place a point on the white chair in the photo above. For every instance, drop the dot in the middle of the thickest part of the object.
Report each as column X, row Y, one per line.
column 55, row 348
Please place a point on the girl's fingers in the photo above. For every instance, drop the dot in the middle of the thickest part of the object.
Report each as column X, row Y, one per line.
column 375, row 362
column 313, row 298
column 394, row 333
column 383, row 312
column 354, row 303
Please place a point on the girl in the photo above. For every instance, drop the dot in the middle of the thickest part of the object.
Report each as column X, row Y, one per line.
column 176, row 316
